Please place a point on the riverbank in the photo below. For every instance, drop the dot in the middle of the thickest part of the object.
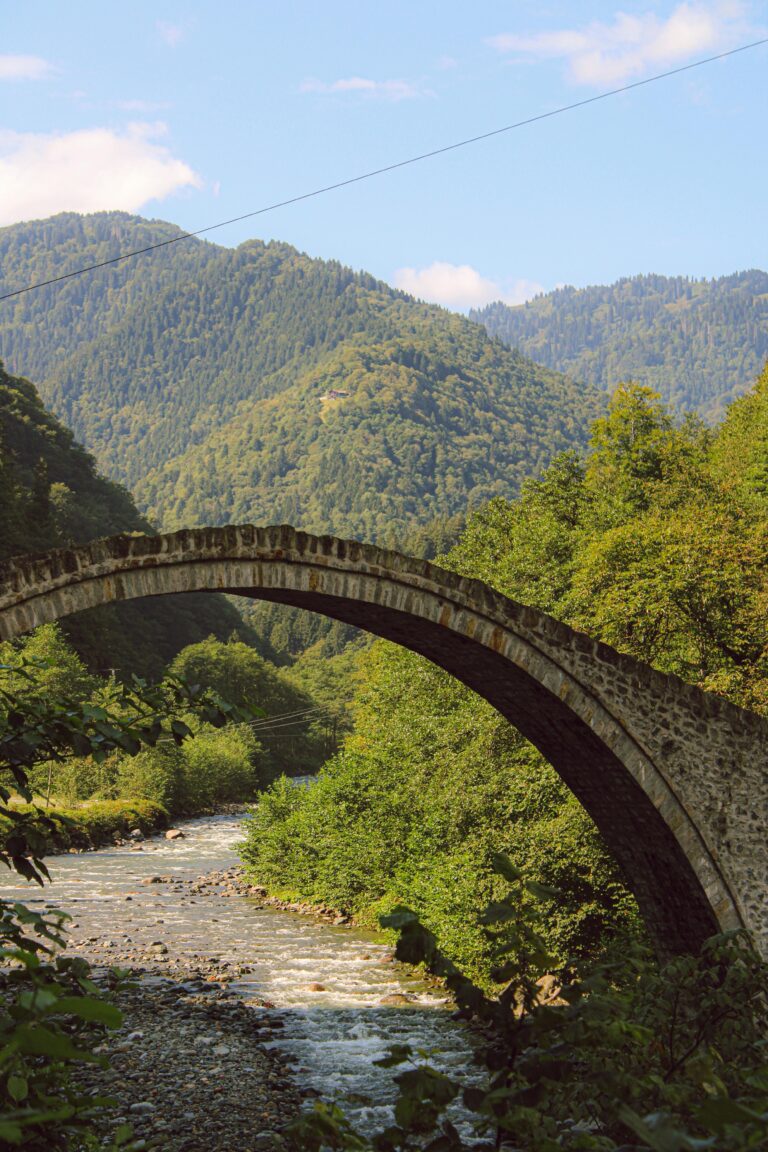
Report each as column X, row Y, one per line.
column 193, row 1069
column 92, row 825
column 104, row 823
column 189, row 1070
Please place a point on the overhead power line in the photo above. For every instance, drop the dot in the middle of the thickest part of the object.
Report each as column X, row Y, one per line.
column 298, row 724
column 264, row 725
column 387, row 168
column 265, row 721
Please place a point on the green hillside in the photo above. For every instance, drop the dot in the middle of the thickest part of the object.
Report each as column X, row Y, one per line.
column 699, row 343
column 50, row 492
column 258, row 384
column 409, row 435
column 51, row 495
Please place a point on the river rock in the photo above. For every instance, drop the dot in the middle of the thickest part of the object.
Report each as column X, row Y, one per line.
column 174, row 834
column 268, row 1142
column 315, row 987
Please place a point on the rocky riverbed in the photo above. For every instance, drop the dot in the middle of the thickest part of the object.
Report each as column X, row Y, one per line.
column 303, row 1001
column 190, row 1070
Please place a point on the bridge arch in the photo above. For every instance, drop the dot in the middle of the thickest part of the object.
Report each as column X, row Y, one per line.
column 674, row 778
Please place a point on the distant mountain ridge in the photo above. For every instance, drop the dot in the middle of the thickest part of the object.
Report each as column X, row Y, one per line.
column 699, row 343
column 258, row 384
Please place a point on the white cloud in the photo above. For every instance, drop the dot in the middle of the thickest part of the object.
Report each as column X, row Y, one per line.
column 171, row 33
column 385, row 89
column 142, row 106
column 23, row 68
column 86, row 171
column 461, row 286
column 600, row 54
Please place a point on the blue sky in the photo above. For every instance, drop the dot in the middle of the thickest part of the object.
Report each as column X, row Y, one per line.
column 198, row 111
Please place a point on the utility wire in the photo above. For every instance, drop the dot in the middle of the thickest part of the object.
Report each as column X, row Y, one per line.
column 285, row 724
column 389, row 168
column 268, row 723
column 283, row 736
column 266, row 720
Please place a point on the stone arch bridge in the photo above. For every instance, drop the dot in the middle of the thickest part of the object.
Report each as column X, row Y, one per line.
column 676, row 779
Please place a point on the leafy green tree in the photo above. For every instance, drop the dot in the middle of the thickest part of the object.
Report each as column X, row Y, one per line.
column 526, row 548
column 331, row 678
column 51, row 665
column 656, row 548
column 740, row 451
column 216, row 767
column 236, row 672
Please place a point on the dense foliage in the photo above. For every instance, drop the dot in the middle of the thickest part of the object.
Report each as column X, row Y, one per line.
column 51, row 495
column 656, row 543
column 699, row 343
column 331, row 678
column 429, row 787
column 430, row 422
column 291, row 733
column 52, row 1015
column 198, row 376
column 221, row 765
column 622, row 1055
column 50, row 492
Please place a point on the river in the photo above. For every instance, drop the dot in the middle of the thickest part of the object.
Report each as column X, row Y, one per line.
column 325, row 983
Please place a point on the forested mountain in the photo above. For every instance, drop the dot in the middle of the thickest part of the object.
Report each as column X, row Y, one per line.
column 258, row 384
column 699, row 343
column 415, row 427
column 51, row 495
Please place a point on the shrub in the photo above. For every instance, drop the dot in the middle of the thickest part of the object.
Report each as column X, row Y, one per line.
column 154, row 774
column 218, row 766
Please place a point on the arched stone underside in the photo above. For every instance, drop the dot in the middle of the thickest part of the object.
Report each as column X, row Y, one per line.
column 674, row 778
